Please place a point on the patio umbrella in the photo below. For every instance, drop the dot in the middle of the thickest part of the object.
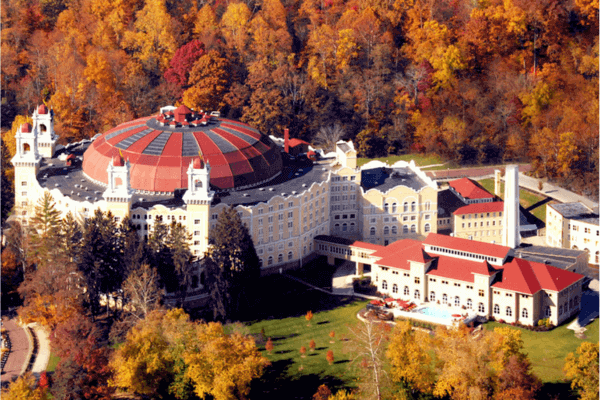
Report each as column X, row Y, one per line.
column 389, row 300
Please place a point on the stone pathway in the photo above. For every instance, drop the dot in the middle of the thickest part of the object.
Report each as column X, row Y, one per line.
column 555, row 192
column 17, row 359
column 43, row 355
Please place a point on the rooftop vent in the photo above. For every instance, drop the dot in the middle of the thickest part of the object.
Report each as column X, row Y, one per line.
column 262, row 189
column 246, row 195
column 56, row 184
column 271, row 189
column 83, row 180
column 304, row 185
column 294, row 192
column 283, row 194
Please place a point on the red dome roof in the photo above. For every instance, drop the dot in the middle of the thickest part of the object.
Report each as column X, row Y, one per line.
column 118, row 161
column 160, row 150
column 26, row 127
column 42, row 109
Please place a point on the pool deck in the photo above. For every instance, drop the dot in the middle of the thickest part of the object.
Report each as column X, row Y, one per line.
column 431, row 319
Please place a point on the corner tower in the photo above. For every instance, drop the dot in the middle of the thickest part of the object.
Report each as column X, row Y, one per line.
column 43, row 125
column 510, row 233
column 118, row 193
column 27, row 164
column 198, row 198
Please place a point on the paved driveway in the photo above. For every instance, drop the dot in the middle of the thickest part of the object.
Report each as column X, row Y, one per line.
column 18, row 355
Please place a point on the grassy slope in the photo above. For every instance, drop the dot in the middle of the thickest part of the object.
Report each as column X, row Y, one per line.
column 419, row 159
column 283, row 320
column 527, row 199
column 548, row 350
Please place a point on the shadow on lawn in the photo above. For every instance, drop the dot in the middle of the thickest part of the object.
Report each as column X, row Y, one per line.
column 322, row 322
column 557, row 391
column 278, row 297
column 279, row 383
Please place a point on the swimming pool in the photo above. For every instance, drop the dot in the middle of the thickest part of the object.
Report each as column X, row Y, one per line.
column 435, row 312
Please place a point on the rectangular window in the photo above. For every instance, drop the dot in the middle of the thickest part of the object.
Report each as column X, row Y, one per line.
column 24, row 194
column 260, row 221
column 417, row 279
column 481, row 293
column 281, row 206
column 24, row 183
column 290, row 224
column 271, row 219
column 196, row 233
column 196, row 222
column 260, row 211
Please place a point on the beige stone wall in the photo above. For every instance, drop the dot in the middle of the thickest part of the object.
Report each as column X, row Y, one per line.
column 483, row 227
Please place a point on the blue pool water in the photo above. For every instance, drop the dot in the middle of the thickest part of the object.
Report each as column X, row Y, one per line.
column 435, row 312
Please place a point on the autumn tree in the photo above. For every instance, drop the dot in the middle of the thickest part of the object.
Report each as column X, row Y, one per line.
column 367, row 344
column 24, row 388
column 269, row 346
column 8, row 178
column 231, row 266
column 328, row 136
column 166, row 355
column 182, row 62
column 208, row 82
column 582, row 370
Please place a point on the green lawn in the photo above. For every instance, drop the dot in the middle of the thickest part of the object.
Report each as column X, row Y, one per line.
column 526, row 198
column 420, row 160
column 290, row 375
column 52, row 362
column 548, row 350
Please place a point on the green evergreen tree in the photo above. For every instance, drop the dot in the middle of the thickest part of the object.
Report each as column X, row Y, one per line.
column 181, row 258
column 100, row 261
column 45, row 232
column 70, row 235
column 132, row 248
column 232, row 266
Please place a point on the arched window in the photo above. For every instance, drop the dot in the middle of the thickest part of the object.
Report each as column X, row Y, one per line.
column 413, row 228
column 386, row 207
column 575, row 300
column 394, row 288
column 260, row 262
column 280, row 258
column 270, row 260
column 457, row 301
column 427, row 227
column 508, row 312
column 384, row 284
column 344, row 227
column 337, row 227
column 432, row 296
column 195, row 281
column 386, row 230
column 352, row 226
column 597, row 259
column 198, row 184
column 524, row 313
column 427, row 205
column 469, row 304
column 496, row 309
column 444, row 298
column 417, row 294
column 26, row 147
column 393, row 208
column 406, row 291
column 413, row 206
column 43, row 128
column 548, row 312
column 372, row 231
column 481, row 308
column 406, row 207
column 394, row 230
column 290, row 255
column 560, row 310
column 405, row 229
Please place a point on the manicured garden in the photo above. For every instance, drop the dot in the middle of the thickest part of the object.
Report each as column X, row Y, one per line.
column 291, row 375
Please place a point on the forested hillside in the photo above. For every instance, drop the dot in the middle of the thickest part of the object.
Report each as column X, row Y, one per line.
column 474, row 81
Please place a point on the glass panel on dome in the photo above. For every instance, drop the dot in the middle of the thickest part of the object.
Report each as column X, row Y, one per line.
column 125, row 143
column 155, row 148
column 190, row 146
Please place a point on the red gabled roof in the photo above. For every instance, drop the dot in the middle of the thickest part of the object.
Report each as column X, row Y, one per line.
column 553, row 278
column 518, row 275
column 295, row 142
column 396, row 247
column 469, row 189
column 495, row 206
column 454, row 268
column 470, row 246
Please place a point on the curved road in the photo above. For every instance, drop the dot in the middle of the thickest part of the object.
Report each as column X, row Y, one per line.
column 19, row 350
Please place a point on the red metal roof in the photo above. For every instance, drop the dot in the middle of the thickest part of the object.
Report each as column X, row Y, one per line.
column 495, row 206
column 160, row 153
column 469, row 246
column 458, row 269
column 470, row 189
column 552, row 278
column 368, row 246
column 295, row 142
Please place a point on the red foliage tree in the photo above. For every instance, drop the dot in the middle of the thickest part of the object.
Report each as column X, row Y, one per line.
column 269, row 346
column 312, row 345
column 323, row 393
column 330, row 356
column 309, row 317
column 303, row 351
column 44, row 381
column 182, row 62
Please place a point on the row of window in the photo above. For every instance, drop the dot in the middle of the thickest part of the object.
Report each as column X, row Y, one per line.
column 468, row 225
column 342, row 178
column 394, row 229
column 475, row 215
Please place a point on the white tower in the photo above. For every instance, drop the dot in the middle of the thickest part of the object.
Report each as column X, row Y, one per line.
column 43, row 125
column 118, row 193
column 198, row 191
column 27, row 163
column 511, row 236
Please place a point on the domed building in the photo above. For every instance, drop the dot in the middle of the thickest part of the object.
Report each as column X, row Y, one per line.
column 187, row 166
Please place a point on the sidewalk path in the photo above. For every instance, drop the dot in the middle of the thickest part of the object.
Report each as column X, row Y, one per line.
column 557, row 193
column 342, row 279
column 19, row 350
column 43, row 355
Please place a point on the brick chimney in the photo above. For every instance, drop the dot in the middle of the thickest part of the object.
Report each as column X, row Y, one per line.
column 286, row 140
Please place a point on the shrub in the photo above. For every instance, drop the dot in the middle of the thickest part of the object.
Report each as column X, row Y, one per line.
column 330, row 356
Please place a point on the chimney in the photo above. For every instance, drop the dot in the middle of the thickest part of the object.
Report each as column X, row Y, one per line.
column 286, row 140
column 511, row 235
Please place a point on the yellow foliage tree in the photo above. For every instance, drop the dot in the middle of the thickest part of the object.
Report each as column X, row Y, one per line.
column 234, row 25
column 582, row 369
column 9, row 137
column 209, row 80
column 24, row 388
